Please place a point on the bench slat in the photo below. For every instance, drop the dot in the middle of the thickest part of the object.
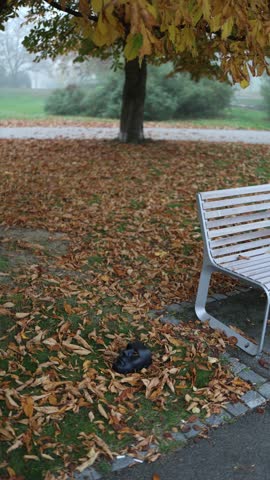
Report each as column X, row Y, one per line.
column 235, row 201
column 264, row 279
column 249, row 261
column 235, row 220
column 242, row 237
column 255, row 271
column 228, row 192
column 264, row 274
column 240, row 247
column 254, row 268
column 251, row 253
column 225, row 212
column 238, row 229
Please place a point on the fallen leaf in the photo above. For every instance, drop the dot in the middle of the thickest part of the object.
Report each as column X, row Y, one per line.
column 22, row 314
column 102, row 411
column 264, row 363
column 28, row 406
column 92, row 456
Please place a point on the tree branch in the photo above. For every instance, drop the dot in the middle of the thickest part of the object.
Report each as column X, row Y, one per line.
column 75, row 13
column 3, row 5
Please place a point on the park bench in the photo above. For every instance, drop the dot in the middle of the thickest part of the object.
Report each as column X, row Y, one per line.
column 235, row 225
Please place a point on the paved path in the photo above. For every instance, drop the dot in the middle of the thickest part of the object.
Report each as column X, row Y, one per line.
column 157, row 133
column 240, row 451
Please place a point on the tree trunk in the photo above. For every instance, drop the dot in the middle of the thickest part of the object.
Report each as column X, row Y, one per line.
column 131, row 122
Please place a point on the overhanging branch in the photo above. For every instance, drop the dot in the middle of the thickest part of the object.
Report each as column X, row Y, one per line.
column 74, row 13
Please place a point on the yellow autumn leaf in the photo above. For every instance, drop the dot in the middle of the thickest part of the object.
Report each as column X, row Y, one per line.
column 97, row 5
column 206, row 9
column 102, row 25
column 244, row 83
column 133, row 45
column 215, row 23
column 227, row 28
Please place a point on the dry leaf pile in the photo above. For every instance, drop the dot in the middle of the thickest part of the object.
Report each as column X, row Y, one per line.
column 128, row 215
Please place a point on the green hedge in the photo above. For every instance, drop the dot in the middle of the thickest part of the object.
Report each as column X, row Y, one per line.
column 170, row 98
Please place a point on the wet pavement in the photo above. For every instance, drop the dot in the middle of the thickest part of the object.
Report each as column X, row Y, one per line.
column 237, row 451
column 155, row 133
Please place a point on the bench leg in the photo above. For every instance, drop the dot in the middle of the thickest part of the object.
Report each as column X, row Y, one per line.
column 266, row 315
column 202, row 293
column 200, row 309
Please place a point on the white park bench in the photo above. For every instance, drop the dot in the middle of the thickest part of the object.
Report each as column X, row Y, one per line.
column 235, row 225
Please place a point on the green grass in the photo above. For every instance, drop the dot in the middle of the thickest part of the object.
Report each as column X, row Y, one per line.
column 22, row 103
column 263, row 170
column 236, row 117
column 155, row 420
column 28, row 104
column 4, row 263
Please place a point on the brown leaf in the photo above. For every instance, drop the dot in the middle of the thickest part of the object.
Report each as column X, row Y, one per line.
column 15, row 445
column 92, row 456
column 4, row 311
column 22, row 314
column 102, row 411
column 264, row 363
column 28, row 406
column 68, row 308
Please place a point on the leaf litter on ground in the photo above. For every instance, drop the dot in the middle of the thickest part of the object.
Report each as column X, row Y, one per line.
column 129, row 217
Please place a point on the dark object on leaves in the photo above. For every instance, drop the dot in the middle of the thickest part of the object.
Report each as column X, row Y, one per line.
column 135, row 357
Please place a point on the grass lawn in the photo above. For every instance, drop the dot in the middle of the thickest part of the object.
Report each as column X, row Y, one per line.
column 235, row 117
column 22, row 103
column 28, row 105
column 99, row 234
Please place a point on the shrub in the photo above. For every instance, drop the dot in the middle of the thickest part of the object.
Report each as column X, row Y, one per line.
column 175, row 97
column 66, row 101
column 179, row 97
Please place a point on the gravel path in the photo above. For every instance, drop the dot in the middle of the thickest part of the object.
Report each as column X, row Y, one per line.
column 157, row 133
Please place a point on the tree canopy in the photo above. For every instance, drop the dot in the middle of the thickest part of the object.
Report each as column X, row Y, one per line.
column 223, row 39
column 214, row 37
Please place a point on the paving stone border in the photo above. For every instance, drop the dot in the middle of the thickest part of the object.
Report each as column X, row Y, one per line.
column 258, row 396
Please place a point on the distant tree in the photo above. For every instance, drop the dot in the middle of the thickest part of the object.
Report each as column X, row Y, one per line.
column 220, row 39
column 14, row 58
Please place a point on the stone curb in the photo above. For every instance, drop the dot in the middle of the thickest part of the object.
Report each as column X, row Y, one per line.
column 257, row 397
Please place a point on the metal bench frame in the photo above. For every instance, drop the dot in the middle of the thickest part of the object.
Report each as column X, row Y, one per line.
column 238, row 221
